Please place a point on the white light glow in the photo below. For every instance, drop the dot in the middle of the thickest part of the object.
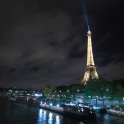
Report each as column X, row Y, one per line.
column 57, row 119
column 57, row 105
column 50, row 116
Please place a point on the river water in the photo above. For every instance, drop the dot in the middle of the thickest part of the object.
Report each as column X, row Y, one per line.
column 25, row 113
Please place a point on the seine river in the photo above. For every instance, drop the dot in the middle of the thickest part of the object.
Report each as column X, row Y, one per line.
column 24, row 113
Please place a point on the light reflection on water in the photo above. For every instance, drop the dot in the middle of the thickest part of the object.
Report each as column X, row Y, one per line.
column 57, row 119
column 52, row 118
column 47, row 117
column 22, row 113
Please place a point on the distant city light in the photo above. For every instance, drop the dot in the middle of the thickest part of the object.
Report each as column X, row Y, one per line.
column 37, row 94
column 57, row 105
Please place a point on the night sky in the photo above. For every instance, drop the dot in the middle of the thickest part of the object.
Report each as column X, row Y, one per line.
column 45, row 41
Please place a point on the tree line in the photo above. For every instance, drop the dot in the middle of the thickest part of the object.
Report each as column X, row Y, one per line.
column 113, row 90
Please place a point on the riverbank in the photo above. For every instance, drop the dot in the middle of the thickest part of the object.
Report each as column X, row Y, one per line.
column 22, row 112
column 114, row 112
column 71, row 111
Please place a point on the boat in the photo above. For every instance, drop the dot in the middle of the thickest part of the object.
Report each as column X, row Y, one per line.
column 12, row 99
column 97, row 109
column 71, row 111
column 79, row 112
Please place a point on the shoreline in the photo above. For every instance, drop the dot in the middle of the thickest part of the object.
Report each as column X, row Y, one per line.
column 67, row 113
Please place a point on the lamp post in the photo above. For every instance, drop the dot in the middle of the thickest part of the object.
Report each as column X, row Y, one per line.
column 102, row 97
column 58, row 97
column 96, row 100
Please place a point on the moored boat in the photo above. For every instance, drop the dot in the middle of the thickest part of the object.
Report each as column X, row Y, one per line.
column 71, row 111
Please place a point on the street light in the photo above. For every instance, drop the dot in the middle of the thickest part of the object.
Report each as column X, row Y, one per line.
column 58, row 97
column 67, row 90
column 77, row 90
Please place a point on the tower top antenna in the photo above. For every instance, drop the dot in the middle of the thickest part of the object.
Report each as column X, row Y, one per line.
column 88, row 28
column 89, row 32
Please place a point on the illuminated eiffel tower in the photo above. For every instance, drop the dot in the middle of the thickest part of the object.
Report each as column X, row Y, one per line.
column 90, row 70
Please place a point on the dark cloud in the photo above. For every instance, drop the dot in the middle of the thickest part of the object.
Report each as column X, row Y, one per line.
column 44, row 42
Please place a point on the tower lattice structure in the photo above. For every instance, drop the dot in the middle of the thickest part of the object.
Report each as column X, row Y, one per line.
column 90, row 70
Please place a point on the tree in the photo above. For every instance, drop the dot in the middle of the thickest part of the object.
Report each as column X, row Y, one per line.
column 118, row 89
column 96, row 87
column 119, row 92
column 48, row 91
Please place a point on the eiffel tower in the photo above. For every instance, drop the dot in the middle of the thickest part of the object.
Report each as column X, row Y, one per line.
column 90, row 70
